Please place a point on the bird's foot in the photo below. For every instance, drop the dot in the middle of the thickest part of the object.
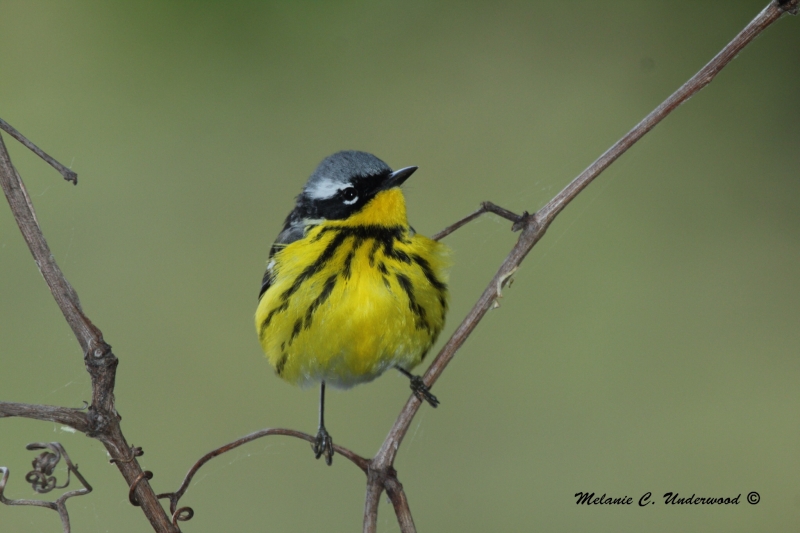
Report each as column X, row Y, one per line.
column 422, row 391
column 323, row 445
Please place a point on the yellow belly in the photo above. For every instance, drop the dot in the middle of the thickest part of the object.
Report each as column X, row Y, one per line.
column 346, row 305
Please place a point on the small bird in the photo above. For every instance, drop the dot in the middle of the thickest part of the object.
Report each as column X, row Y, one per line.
column 351, row 290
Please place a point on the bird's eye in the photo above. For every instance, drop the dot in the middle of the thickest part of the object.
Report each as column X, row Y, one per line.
column 350, row 195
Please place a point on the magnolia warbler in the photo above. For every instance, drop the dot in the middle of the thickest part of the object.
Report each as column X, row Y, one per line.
column 351, row 289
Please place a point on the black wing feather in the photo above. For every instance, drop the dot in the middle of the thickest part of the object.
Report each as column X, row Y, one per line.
column 294, row 229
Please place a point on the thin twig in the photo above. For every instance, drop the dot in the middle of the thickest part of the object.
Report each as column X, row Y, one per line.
column 68, row 174
column 535, row 227
column 174, row 497
column 486, row 207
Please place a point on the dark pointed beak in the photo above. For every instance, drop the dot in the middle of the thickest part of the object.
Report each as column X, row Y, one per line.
column 397, row 177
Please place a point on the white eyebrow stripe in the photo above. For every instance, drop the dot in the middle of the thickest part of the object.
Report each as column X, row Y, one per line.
column 325, row 188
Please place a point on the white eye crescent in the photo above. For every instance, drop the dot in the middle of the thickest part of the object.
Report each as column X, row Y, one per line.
column 350, row 195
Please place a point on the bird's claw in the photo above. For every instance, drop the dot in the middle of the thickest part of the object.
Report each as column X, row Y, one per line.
column 323, row 445
column 423, row 392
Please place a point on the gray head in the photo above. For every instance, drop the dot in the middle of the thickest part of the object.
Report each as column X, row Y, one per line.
column 337, row 171
column 344, row 183
column 340, row 186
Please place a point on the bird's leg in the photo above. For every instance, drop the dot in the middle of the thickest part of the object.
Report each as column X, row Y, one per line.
column 421, row 391
column 323, row 444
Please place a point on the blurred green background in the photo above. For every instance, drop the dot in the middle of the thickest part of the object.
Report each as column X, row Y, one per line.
column 649, row 343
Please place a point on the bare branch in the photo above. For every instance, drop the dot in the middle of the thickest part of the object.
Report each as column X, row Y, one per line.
column 768, row 15
column 74, row 418
column 68, row 174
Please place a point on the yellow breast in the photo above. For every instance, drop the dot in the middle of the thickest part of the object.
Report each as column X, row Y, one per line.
column 352, row 299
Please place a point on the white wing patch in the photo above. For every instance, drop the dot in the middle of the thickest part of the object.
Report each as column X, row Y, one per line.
column 325, row 188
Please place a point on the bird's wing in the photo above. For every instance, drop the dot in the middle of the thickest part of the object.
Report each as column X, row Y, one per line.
column 292, row 231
